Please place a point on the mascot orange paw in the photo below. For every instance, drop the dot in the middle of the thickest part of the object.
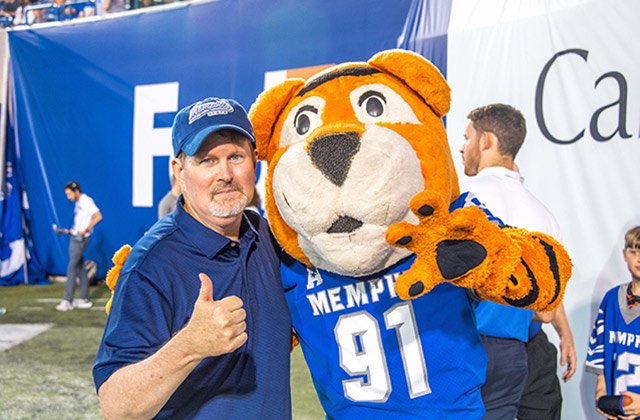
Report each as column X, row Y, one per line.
column 463, row 247
column 541, row 277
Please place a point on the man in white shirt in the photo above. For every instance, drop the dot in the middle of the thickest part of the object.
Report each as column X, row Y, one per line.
column 85, row 216
column 521, row 368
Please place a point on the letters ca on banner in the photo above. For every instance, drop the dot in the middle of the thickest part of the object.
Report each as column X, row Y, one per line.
column 570, row 102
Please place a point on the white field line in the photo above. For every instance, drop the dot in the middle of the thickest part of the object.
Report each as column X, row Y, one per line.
column 12, row 334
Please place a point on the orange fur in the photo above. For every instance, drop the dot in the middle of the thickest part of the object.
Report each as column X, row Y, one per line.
column 118, row 260
column 272, row 106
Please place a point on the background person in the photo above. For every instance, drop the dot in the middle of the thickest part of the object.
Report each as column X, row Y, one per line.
column 168, row 202
column 613, row 352
column 521, row 372
column 177, row 346
column 85, row 216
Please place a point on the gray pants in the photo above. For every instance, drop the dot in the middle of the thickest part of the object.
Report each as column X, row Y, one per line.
column 542, row 397
column 506, row 376
column 77, row 246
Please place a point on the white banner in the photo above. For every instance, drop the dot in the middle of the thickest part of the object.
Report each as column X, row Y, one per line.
column 571, row 67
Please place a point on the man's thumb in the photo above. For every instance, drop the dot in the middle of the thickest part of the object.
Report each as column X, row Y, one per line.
column 206, row 288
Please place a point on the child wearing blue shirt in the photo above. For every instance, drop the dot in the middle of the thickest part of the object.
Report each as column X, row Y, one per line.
column 614, row 346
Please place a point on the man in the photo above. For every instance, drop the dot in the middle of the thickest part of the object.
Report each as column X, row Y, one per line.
column 168, row 202
column 85, row 216
column 494, row 135
column 178, row 347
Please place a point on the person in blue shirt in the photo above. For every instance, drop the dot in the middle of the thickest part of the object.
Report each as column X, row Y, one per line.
column 199, row 327
column 521, row 377
column 614, row 345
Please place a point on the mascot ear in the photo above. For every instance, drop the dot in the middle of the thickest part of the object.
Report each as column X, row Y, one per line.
column 265, row 112
column 417, row 73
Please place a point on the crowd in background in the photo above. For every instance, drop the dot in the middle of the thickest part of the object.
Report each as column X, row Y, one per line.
column 27, row 12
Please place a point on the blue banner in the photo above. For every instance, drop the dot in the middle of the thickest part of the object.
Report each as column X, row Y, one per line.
column 95, row 99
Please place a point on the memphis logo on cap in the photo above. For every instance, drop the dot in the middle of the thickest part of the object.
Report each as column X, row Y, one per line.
column 214, row 107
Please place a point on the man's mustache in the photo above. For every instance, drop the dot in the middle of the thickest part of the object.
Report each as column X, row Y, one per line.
column 225, row 186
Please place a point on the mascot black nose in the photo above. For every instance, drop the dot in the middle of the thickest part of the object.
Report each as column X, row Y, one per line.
column 332, row 154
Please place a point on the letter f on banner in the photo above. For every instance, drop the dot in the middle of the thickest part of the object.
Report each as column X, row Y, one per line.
column 148, row 141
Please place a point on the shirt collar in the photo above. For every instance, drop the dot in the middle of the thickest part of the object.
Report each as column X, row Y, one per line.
column 632, row 300
column 502, row 172
column 209, row 241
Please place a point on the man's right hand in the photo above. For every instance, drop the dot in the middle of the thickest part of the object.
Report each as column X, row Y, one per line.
column 216, row 327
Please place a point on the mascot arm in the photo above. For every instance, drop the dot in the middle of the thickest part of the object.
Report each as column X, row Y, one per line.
column 505, row 265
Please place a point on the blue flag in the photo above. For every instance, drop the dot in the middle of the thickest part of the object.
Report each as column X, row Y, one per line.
column 18, row 264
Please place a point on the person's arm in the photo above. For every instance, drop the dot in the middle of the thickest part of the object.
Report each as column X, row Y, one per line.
column 567, row 349
column 97, row 216
column 59, row 231
column 141, row 389
column 545, row 317
column 601, row 390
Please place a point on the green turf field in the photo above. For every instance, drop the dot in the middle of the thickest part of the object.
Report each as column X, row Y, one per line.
column 49, row 376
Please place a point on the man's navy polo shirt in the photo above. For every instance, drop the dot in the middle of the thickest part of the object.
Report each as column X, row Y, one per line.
column 154, row 299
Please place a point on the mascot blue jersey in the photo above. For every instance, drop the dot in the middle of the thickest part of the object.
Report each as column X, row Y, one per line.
column 373, row 355
column 614, row 345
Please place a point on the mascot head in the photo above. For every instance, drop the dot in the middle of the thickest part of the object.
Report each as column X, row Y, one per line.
column 346, row 151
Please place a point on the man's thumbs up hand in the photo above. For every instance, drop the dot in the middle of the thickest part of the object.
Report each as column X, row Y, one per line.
column 216, row 327
column 206, row 288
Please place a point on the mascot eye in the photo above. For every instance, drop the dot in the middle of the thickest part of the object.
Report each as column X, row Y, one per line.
column 306, row 117
column 302, row 124
column 373, row 103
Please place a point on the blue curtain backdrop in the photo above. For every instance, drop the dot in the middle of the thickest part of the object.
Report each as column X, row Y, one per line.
column 74, row 93
column 425, row 31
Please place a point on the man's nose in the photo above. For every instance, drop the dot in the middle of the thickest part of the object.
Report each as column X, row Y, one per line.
column 225, row 170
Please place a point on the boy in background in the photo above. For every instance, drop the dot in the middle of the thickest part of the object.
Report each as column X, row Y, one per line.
column 614, row 346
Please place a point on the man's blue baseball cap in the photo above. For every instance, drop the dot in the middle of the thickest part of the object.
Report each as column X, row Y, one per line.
column 195, row 122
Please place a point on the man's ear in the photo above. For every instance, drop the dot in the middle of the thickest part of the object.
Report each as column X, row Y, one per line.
column 488, row 141
column 254, row 156
column 176, row 169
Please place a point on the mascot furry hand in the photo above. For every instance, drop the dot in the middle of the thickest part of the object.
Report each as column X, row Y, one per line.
column 347, row 150
column 362, row 194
